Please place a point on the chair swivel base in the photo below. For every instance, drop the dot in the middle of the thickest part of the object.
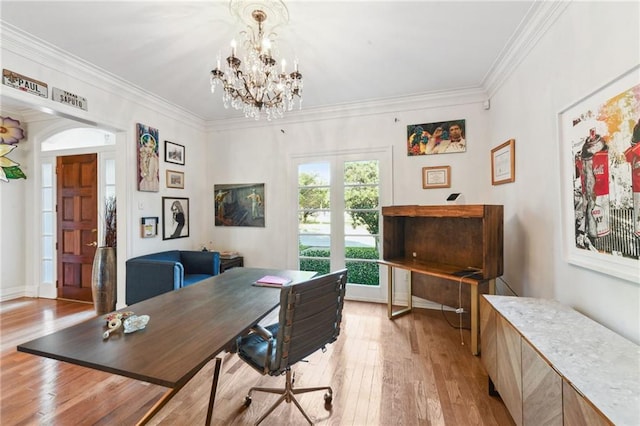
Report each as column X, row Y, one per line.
column 287, row 394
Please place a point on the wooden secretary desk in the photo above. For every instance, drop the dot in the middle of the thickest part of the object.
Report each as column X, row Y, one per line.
column 444, row 247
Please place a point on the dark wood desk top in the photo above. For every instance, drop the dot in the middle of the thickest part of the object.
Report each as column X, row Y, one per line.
column 441, row 270
column 187, row 328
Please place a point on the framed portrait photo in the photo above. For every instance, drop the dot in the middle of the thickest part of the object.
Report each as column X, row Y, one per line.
column 174, row 153
column 175, row 218
column 503, row 163
column 175, row 179
column 436, row 177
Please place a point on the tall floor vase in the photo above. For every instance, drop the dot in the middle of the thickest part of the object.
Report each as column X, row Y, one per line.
column 103, row 280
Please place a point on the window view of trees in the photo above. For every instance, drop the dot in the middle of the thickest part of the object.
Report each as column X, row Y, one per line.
column 361, row 219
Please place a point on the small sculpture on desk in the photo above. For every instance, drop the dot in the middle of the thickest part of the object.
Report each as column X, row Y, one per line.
column 131, row 322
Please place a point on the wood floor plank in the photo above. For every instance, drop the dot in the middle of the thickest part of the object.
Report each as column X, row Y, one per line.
column 409, row 371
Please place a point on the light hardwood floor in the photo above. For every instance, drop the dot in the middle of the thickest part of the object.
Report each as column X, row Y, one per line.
column 410, row 371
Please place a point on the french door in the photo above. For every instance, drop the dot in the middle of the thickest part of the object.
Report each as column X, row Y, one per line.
column 339, row 198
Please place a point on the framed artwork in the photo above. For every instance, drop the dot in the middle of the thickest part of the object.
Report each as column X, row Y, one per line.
column 436, row 138
column 175, row 218
column 173, row 153
column 436, row 177
column 175, row 179
column 148, row 160
column 148, row 227
column 503, row 163
column 599, row 138
column 239, row 204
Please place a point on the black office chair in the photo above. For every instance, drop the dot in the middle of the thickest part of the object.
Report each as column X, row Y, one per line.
column 310, row 316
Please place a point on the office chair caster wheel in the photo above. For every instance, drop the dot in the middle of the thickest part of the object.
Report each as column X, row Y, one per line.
column 247, row 401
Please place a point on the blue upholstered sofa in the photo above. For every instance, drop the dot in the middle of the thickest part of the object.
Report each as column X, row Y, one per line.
column 156, row 273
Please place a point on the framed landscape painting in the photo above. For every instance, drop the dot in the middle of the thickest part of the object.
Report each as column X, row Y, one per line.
column 599, row 139
column 174, row 153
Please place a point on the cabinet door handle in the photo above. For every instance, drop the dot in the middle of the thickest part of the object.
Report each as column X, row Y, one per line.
column 93, row 244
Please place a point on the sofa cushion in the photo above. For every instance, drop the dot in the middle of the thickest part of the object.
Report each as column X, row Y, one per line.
column 194, row 278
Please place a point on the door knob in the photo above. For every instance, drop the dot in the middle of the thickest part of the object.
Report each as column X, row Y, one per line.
column 93, row 244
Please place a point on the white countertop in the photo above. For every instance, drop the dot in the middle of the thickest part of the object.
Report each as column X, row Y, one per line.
column 600, row 364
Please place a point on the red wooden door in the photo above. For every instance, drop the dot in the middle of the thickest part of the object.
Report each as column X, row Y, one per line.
column 77, row 224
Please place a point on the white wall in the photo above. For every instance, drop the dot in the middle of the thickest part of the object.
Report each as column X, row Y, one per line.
column 262, row 155
column 589, row 45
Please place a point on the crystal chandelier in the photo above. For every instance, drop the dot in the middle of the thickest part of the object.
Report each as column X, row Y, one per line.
column 257, row 84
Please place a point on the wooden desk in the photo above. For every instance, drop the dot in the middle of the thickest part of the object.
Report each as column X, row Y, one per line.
column 441, row 271
column 446, row 246
column 187, row 328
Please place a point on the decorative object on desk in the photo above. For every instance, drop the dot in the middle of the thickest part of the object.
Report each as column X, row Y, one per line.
column 174, row 153
column 503, row 163
column 455, row 198
column 600, row 149
column 436, row 138
column 436, row 177
column 257, row 86
column 148, row 159
column 239, row 204
column 175, row 179
column 175, row 218
column 10, row 134
column 130, row 321
column 272, row 281
column 114, row 321
column 103, row 273
column 149, row 227
column 135, row 323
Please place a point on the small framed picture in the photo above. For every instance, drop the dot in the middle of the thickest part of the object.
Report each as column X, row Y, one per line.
column 173, row 153
column 148, row 227
column 436, row 177
column 175, row 218
column 175, row 179
column 503, row 163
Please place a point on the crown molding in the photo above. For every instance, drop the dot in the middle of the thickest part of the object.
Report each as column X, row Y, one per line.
column 533, row 26
column 47, row 55
column 415, row 102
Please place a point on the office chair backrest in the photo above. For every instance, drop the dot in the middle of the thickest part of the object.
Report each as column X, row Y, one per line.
column 310, row 316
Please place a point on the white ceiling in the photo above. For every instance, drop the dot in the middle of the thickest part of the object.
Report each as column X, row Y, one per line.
column 349, row 51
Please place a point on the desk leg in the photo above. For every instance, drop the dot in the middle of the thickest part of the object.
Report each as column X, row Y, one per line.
column 390, row 284
column 475, row 319
column 214, row 387
column 157, row 406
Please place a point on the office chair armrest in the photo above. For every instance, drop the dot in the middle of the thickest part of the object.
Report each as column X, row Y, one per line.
column 268, row 337
column 263, row 332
